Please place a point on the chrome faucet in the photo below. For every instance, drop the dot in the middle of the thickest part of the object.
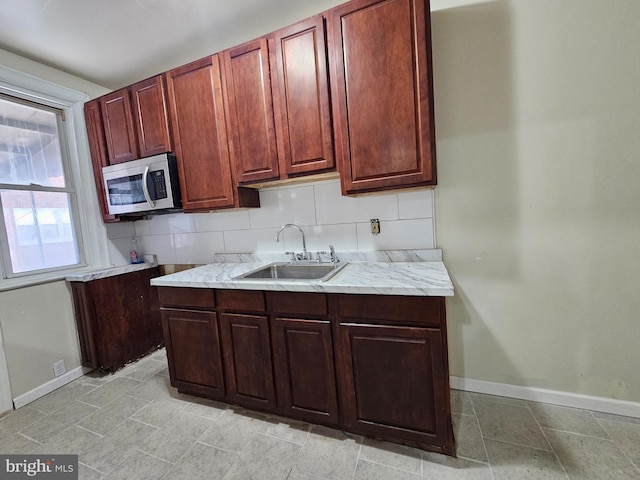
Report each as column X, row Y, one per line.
column 334, row 257
column 305, row 255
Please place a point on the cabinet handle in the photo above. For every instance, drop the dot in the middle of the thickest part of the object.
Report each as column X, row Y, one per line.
column 145, row 188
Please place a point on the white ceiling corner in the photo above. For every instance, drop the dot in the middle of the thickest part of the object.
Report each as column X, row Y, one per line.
column 117, row 42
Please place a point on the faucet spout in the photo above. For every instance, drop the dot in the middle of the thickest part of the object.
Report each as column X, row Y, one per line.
column 304, row 242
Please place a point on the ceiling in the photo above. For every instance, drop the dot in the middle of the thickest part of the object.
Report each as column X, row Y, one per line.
column 114, row 43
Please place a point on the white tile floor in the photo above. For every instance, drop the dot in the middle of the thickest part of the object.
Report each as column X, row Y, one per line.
column 132, row 425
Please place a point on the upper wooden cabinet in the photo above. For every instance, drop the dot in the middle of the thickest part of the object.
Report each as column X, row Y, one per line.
column 383, row 96
column 200, row 136
column 278, row 108
column 135, row 121
column 350, row 89
column 301, row 98
column 120, row 130
column 98, row 149
column 117, row 118
column 151, row 116
column 250, row 115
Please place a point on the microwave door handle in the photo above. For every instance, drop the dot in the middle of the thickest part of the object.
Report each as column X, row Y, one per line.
column 145, row 188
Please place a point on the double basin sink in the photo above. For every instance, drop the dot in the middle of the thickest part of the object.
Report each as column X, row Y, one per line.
column 316, row 272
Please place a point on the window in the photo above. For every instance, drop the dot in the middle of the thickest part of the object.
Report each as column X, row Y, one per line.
column 38, row 218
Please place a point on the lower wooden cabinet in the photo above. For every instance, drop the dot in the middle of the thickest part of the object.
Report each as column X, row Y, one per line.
column 118, row 318
column 391, row 383
column 193, row 351
column 246, row 348
column 395, row 372
column 192, row 338
column 247, row 359
column 369, row 364
column 303, row 356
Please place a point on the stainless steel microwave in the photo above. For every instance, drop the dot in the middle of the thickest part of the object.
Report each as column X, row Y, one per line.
column 148, row 185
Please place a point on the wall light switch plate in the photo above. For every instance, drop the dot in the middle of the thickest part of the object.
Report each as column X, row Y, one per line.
column 375, row 226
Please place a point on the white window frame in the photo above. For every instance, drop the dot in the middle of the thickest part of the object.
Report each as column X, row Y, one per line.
column 6, row 268
column 91, row 230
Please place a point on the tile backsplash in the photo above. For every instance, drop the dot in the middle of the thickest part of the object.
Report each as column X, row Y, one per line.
column 406, row 222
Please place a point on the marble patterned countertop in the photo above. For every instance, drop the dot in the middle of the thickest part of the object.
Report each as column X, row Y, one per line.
column 150, row 262
column 416, row 272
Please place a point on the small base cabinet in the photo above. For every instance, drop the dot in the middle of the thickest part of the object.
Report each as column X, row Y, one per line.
column 303, row 357
column 192, row 340
column 395, row 375
column 118, row 319
column 247, row 349
column 248, row 360
column 369, row 364
column 378, row 400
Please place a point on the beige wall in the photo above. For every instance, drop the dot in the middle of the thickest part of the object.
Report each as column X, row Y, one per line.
column 538, row 204
column 37, row 323
column 38, row 329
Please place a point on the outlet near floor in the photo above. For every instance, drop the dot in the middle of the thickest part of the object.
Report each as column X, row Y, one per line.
column 59, row 368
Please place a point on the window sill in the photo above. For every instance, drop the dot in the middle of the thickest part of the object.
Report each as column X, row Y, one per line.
column 40, row 278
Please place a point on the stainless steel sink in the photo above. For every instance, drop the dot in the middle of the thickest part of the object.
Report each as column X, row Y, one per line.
column 317, row 272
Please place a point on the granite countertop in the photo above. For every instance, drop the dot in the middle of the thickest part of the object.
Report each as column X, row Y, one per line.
column 416, row 277
column 112, row 271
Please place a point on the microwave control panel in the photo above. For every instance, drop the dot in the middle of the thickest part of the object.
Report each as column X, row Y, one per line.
column 159, row 184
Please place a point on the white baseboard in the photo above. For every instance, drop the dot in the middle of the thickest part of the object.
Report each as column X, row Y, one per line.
column 565, row 399
column 50, row 386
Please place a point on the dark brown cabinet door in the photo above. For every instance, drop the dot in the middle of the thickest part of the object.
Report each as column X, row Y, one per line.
column 200, row 135
column 250, row 114
column 151, row 116
column 305, row 371
column 382, row 88
column 98, row 149
column 394, row 383
column 301, row 98
column 370, row 364
column 85, row 315
column 193, row 351
column 118, row 318
column 117, row 119
column 247, row 360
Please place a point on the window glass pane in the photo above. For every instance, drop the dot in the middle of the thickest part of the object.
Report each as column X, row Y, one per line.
column 39, row 229
column 29, row 146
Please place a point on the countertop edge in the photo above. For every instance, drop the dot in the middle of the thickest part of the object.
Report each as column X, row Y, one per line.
column 369, row 278
column 109, row 272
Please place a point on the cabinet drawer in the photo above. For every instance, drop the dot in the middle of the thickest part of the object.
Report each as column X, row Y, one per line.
column 299, row 303
column 241, row 300
column 399, row 310
column 194, row 298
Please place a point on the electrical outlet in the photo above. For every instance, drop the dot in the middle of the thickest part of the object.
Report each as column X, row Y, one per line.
column 375, row 226
column 59, row 368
